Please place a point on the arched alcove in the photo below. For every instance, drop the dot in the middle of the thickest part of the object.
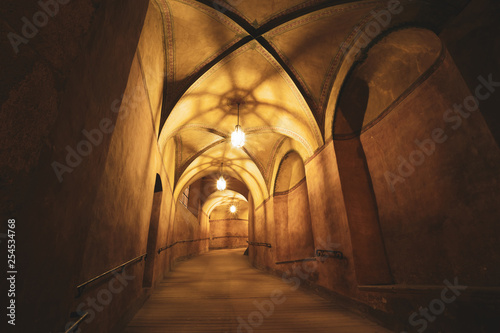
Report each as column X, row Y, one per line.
column 148, row 279
column 386, row 75
column 294, row 237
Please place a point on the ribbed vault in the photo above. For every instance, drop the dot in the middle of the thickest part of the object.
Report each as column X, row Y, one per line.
column 283, row 62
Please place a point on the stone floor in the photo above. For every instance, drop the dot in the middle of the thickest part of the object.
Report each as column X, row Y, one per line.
column 221, row 292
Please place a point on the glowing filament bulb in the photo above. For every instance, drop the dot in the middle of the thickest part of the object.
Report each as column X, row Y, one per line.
column 232, row 209
column 221, row 184
column 238, row 137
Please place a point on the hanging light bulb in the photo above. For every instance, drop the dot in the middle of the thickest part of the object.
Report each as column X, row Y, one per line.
column 221, row 182
column 238, row 136
column 232, row 209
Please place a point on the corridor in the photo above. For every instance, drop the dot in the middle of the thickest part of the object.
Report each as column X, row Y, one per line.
column 364, row 134
column 220, row 291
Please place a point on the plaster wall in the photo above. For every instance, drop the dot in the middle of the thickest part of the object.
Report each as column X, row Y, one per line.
column 294, row 238
column 229, row 233
column 471, row 39
column 329, row 220
column 261, row 230
column 440, row 209
column 188, row 227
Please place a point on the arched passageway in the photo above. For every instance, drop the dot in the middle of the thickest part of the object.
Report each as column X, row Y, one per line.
column 368, row 171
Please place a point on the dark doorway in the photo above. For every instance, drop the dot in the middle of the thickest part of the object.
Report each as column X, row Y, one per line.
column 147, row 281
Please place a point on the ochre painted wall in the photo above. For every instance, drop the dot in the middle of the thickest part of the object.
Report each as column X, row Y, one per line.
column 97, row 95
column 228, row 233
column 190, row 229
column 292, row 217
column 92, row 218
column 439, row 219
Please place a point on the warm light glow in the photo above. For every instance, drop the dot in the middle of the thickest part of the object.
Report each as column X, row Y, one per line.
column 238, row 137
column 221, row 184
column 232, row 209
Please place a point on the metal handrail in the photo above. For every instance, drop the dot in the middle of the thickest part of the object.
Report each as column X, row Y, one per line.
column 296, row 260
column 229, row 237
column 259, row 244
column 77, row 323
column 82, row 286
column 319, row 253
column 160, row 250
column 329, row 253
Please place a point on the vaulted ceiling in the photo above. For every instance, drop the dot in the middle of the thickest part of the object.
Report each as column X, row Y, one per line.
column 283, row 62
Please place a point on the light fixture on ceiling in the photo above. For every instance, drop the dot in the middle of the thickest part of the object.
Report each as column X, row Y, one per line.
column 221, row 182
column 238, row 136
column 232, row 209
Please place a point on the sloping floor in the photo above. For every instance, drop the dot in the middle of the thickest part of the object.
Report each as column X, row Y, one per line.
column 221, row 292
